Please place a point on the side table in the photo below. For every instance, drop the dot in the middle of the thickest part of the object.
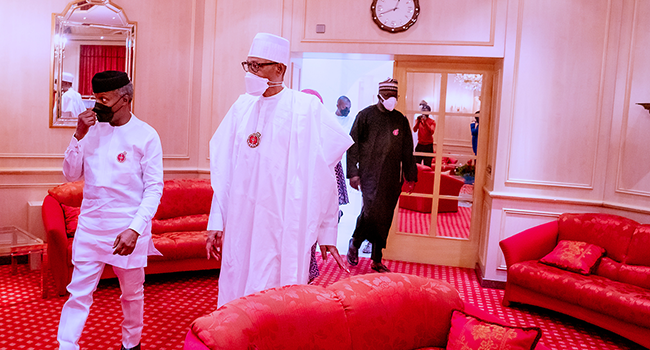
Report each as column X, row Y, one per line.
column 16, row 242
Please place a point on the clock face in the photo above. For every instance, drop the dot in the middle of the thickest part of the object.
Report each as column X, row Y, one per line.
column 395, row 15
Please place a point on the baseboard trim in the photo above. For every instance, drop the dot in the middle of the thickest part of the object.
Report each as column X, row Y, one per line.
column 487, row 283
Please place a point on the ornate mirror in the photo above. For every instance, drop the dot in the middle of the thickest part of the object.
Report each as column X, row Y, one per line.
column 89, row 36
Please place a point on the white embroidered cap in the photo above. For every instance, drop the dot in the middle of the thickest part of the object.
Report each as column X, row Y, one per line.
column 67, row 77
column 270, row 47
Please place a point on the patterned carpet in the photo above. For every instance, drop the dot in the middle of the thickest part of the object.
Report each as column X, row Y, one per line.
column 454, row 225
column 173, row 301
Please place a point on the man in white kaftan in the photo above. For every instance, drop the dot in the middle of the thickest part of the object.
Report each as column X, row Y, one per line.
column 271, row 161
column 120, row 161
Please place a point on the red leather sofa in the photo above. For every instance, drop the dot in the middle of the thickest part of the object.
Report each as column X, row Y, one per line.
column 614, row 296
column 178, row 229
column 374, row 311
column 449, row 186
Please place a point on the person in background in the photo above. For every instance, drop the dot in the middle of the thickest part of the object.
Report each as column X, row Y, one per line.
column 119, row 157
column 272, row 162
column 425, row 127
column 473, row 127
column 71, row 103
column 378, row 162
column 343, row 106
column 343, row 199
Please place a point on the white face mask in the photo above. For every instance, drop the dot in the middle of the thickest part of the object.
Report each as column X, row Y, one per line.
column 255, row 85
column 389, row 103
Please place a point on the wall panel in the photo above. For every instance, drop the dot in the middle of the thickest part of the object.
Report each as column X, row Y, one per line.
column 559, row 82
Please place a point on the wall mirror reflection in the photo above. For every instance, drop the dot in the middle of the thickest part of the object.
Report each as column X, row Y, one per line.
column 89, row 36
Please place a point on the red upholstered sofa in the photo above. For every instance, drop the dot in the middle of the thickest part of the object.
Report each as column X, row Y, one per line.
column 449, row 186
column 614, row 296
column 178, row 228
column 374, row 311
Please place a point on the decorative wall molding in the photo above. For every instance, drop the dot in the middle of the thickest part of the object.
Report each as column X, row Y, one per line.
column 397, row 40
column 511, row 116
column 507, row 213
column 628, row 102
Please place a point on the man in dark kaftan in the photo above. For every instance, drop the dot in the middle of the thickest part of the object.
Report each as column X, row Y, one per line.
column 378, row 162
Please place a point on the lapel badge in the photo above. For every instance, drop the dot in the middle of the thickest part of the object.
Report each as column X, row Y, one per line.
column 396, row 132
column 121, row 157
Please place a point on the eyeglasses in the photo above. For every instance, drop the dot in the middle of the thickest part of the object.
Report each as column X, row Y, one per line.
column 254, row 67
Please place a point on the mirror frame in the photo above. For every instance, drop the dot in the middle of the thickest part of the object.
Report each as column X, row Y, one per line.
column 62, row 20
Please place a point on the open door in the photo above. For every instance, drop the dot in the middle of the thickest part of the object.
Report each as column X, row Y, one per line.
column 439, row 223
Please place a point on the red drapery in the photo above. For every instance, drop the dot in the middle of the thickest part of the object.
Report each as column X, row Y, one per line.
column 98, row 58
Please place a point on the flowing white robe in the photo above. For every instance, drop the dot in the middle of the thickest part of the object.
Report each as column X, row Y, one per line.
column 119, row 192
column 273, row 201
column 71, row 104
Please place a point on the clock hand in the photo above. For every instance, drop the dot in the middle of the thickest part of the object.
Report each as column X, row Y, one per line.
column 388, row 11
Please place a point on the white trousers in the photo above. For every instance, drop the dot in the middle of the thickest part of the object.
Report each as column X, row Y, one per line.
column 75, row 311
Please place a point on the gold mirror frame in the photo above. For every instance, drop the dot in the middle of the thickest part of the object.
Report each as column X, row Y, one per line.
column 96, row 22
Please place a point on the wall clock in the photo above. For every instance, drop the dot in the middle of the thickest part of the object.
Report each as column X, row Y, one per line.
column 395, row 16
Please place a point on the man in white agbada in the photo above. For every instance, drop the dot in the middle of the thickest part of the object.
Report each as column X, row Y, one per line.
column 272, row 168
column 120, row 159
column 71, row 103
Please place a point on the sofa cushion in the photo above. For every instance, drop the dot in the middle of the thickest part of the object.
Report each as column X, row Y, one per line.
column 548, row 280
column 183, row 223
column 611, row 232
column 620, row 300
column 407, row 312
column 608, row 268
column 179, row 245
column 624, row 301
column 69, row 193
column 183, row 197
column 472, row 333
column 71, row 215
column 574, row 256
column 637, row 253
column 636, row 275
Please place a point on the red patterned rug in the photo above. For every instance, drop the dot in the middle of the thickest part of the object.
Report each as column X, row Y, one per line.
column 454, row 225
column 173, row 301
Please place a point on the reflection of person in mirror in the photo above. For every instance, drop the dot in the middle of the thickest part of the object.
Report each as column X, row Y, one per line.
column 71, row 104
column 119, row 157
column 378, row 162
column 425, row 127
column 474, row 129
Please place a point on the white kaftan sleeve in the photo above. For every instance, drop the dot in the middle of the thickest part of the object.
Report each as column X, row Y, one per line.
column 221, row 153
column 73, row 161
column 334, row 142
column 152, row 179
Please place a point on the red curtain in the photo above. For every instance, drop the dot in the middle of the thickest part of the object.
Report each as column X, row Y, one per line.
column 98, row 58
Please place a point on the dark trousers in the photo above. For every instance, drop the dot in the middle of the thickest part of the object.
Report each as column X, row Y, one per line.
column 367, row 230
column 424, row 148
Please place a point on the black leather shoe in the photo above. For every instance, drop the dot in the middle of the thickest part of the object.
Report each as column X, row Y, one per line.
column 137, row 347
column 379, row 267
column 353, row 254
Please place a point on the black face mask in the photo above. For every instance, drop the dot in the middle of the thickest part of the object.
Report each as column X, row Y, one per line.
column 105, row 113
column 345, row 111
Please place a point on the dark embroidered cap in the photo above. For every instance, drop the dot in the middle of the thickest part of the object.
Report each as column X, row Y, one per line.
column 109, row 80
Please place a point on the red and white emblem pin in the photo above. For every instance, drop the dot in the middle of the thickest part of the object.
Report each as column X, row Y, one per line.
column 396, row 132
column 121, row 157
column 254, row 139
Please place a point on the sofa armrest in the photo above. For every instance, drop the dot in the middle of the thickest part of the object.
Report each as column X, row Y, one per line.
column 57, row 242
column 531, row 244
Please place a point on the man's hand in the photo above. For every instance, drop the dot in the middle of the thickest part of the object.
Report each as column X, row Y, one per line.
column 335, row 254
column 86, row 119
column 355, row 182
column 125, row 242
column 410, row 186
column 213, row 244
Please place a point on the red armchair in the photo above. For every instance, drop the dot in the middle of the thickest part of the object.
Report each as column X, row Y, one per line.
column 178, row 229
column 449, row 186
